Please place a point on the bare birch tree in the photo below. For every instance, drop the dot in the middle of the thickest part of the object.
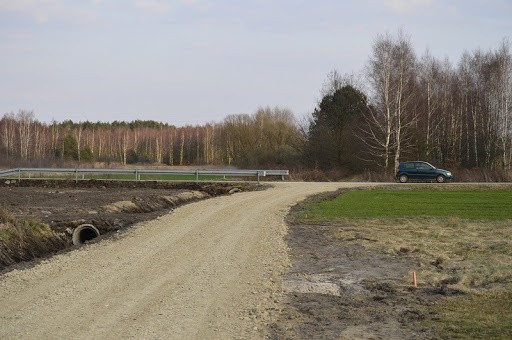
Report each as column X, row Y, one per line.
column 502, row 81
column 391, row 73
column 8, row 133
column 25, row 120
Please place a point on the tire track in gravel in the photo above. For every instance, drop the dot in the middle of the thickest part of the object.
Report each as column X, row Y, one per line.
column 210, row 269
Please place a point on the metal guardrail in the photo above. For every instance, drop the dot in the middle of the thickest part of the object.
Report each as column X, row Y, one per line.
column 138, row 172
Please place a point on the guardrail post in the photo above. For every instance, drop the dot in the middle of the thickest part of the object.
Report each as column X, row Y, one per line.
column 19, row 175
column 261, row 173
column 136, row 175
column 76, row 175
column 197, row 176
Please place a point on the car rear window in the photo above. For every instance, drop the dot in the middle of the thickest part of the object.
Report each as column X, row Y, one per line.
column 409, row 165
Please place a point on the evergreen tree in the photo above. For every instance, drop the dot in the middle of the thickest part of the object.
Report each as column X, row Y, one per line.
column 332, row 132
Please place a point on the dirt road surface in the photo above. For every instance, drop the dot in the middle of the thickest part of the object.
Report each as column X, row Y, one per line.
column 208, row 270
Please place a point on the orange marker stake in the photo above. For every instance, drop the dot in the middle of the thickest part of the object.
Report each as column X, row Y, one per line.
column 414, row 280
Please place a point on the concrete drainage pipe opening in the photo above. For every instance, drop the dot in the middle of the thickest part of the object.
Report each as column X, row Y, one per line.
column 83, row 233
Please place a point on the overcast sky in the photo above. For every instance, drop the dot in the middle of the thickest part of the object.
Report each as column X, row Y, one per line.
column 197, row 61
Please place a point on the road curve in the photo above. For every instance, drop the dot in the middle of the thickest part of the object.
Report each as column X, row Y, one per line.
column 208, row 270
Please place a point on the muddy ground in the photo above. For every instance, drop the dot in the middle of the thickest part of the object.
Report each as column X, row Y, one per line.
column 332, row 290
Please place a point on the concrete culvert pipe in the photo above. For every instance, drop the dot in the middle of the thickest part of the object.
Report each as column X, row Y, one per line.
column 84, row 232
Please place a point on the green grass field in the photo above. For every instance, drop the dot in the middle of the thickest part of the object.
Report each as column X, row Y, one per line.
column 464, row 204
column 461, row 237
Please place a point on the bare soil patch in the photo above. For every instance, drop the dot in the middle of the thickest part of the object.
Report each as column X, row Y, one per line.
column 335, row 291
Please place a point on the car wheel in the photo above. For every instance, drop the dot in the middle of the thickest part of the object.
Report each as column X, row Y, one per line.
column 403, row 178
column 440, row 179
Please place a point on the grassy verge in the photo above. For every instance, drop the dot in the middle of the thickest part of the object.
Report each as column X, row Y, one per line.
column 460, row 240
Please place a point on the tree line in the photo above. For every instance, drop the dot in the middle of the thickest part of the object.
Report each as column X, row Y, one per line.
column 268, row 137
column 416, row 108
column 402, row 107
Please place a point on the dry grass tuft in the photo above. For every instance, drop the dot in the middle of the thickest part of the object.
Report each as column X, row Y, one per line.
column 26, row 240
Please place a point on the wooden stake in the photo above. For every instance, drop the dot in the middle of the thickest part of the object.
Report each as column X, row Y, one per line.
column 414, row 280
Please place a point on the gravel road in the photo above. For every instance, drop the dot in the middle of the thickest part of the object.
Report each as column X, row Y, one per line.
column 208, row 270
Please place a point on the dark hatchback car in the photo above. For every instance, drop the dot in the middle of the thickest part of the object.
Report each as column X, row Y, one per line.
column 421, row 171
